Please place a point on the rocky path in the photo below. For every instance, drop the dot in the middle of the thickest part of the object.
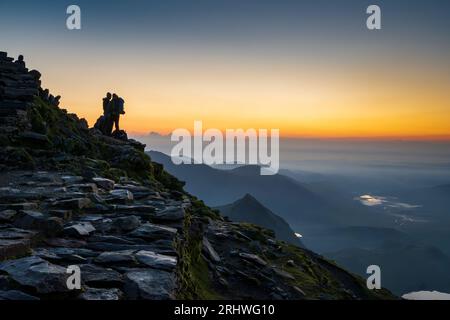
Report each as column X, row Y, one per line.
column 121, row 236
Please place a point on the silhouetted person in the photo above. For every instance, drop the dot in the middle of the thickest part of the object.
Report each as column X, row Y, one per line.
column 20, row 61
column 106, row 122
column 117, row 107
column 107, row 104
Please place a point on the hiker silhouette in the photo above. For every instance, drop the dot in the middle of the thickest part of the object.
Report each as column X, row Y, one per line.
column 117, row 109
column 113, row 108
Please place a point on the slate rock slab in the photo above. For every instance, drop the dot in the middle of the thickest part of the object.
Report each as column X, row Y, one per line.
column 96, row 294
column 157, row 261
column 126, row 224
column 150, row 284
column 7, row 215
column 149, row 231
column 34, row 220
column 75, row 204
column 253, row 258
column 120, row 196
column 16, row 295
column 81, row 229
column 96, row 276
column 209, row 250
column 117, row 258
column 104, row 183
column 37, row 273
column 170, row 214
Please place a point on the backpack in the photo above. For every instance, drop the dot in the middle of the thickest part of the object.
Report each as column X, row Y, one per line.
column 119, row 106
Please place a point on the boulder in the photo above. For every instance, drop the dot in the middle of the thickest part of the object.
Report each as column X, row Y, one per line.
column 209, row 250
column 34, row 220
column 62, row 214
column 150, row 284
column 53, row 226
column 72, row 179
column 119, row 196
column 126, row 224
column 151, row 231
column 13, row 248
column 75, row 204
column 7, row 215
column 156, row 261
column 104, row 183
column 283, row 274
column 98, row 200
column 30, row 219
column 95, row 276
column 170, row 214
column 70, row 255
column 35, row 74
column 117, row 258
column 45, row 254
column 139, row 192
column 81, row 229
column 120, row 135
column 253, row 258
column 84, row 187
column 38, row 274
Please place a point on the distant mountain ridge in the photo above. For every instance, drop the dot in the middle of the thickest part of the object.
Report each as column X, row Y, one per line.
column 293, row 201
column 249, row 209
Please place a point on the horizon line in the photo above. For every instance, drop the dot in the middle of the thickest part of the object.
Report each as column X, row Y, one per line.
column 410, row 138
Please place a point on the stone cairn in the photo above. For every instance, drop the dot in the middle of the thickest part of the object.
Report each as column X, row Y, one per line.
column 18, row 88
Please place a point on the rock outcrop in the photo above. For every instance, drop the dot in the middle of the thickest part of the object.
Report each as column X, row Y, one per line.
column 70, row 196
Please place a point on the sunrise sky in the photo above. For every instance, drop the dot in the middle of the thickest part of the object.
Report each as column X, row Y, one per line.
column 309, row 68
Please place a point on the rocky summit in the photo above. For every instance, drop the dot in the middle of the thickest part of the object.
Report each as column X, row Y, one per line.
column 73, row 197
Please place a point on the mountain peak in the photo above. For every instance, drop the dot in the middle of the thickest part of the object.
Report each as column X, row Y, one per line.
column 249, row 197
column 249, row 209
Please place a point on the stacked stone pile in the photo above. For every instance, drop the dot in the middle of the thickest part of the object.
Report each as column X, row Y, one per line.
column 18, row 87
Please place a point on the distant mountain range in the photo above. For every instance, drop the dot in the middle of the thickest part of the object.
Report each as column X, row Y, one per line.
column 248, row 209
column 295, row 202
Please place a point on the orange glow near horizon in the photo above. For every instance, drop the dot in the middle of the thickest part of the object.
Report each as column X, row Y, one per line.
column 382, row 101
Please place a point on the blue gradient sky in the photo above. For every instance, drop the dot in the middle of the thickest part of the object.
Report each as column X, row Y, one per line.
column 229, row 50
